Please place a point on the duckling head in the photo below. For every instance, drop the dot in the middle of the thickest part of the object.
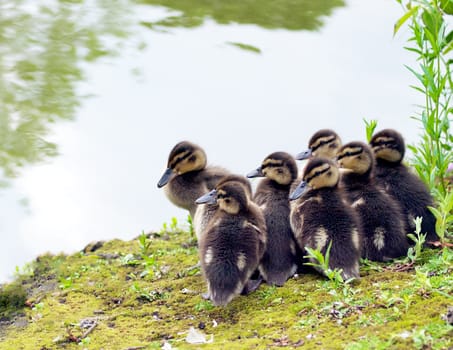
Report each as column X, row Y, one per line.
column 242, row 180
column 231, row 197
column 323, row 143
column 356, row 157
column 388, row 144
column 318, row 173
column 184, row 157
column 279, row 167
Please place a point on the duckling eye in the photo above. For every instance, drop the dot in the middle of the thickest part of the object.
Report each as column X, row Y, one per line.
column 192, row 158
column 227, row 200
column 280, row 171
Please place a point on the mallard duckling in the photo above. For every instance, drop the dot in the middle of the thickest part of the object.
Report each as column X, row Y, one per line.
column 205, row 212
column 321, row 217
column 232, row 246
column 324, row 143
column 408, row 189
column 380, row 215
column 279, row 259
column 187, row 177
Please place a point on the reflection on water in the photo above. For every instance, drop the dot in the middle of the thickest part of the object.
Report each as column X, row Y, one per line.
column 42, row 45
column 270, row 14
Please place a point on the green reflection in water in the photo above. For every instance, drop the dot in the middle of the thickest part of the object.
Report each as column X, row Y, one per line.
column 271, row 14
column 43, row 45
column 246, row 47
column 42, row 48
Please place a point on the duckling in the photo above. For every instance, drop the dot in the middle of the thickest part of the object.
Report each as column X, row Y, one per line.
column 205, row 212
column 320, row 217
column 279, row 260
column 380, row 215
column 324, row 143
column 411, row 193
column 187, row 177
column 232, row 246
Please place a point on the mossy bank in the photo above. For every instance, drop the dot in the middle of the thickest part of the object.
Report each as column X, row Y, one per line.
column 145, row 294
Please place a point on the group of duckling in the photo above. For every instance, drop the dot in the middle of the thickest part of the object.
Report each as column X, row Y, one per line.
column 358, row 200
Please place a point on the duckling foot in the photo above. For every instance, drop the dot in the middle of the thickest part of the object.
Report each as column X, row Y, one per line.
column 251, row 286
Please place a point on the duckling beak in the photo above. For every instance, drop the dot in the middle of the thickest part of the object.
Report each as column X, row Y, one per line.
column 165, row 178
column 209, row 198
column 298, row 191
column 304, row 155
column 255, row 173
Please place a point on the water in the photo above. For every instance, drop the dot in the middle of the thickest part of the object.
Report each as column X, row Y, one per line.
column 242, row 81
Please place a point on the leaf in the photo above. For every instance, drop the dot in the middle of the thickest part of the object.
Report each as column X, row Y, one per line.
column 448, row 47
column 370, row 127
column 418, row 75
column 246, row 47
column 419, row 89
column 404, row 18
column 413, row 49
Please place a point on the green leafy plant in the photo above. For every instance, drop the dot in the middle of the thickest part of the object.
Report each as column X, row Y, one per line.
column 444, row 215
column 190, row 223
column 38, row 306
column 418, row 237
column 321, row 263
column 388, row 299
column 129, row 259
column 204, row 305
column 422, row 281
column 151, row 268
column 267, row 293
column 174, row 224
column 84, row 341
column 370, row 127
column 431, row 41
column 145, row 244
column 148, row 295
column 65, row 283
column 68, row 282
column 147, row 258
column 171, row 227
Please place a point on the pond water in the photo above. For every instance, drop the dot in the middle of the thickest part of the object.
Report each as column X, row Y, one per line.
column 94, row 94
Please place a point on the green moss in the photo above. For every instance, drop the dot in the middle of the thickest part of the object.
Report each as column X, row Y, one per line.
column 385, row 309
column 12, row 299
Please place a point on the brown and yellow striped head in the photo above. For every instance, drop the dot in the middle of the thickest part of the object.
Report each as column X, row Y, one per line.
column 323, row 143
column 242, row 180
column 388, row 144
column 184, row 157
column 279, row 167
column 318, row 173
column 356, row 157
column 321, row 172
column 230, row 196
